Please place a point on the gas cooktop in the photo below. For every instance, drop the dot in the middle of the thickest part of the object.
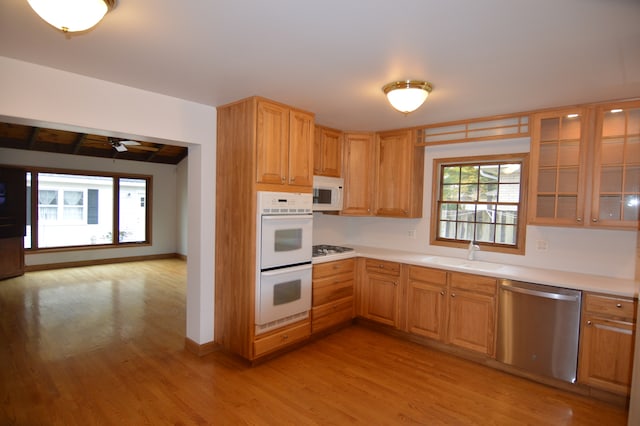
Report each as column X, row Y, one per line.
column 325, row 249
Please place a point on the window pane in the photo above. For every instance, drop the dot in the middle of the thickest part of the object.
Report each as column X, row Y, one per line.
column 486, row 213
column 451, row 175
column 466, row 212
column 133, row 212
column 506, row 234
column 450, row 192
column 509, row 193
column 465, row 231
column 489, row 173
column 469, row 192
column 448, row 211
column 485, row 232
column 447, row 230
column 469, row 174
column 510, row 173
column 65, row 224
column 488, row 192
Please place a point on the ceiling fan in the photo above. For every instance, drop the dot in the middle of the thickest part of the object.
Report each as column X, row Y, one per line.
column 122, row 145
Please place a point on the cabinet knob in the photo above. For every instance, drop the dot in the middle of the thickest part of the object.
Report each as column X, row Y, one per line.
column 395, row 283
column 589, row 323
column 283, row 179
column 442, row 293
column 285, row 336
column 594, row 220
column 293, row 179
column 453, row 295
column 578, row 219
column 618, row 305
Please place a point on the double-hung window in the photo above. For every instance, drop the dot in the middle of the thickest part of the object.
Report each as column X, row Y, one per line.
column 480, row 199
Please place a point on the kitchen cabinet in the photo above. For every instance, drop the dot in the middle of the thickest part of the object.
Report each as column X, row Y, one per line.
column 327, row 152
column 332, row 294
column 358, row 173
column 472, row 312
column 381, row 291
column 607, row 342
column 558, row 167
column 284, row 146
column 427, row 302
column 261, row 145
column 616, row 166
column 399, row 175
column 585, row 167
column 281, row 338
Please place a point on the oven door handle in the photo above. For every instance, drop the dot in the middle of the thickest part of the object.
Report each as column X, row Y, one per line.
column 281, row 217
column 279, row 271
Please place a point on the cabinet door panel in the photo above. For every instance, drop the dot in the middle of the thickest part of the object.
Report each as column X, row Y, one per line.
column 426, row 309
column 393, row 161
column 472, row 321
column 300, row 149
column 272, row 135
column 358, row 174
column 606, row 354
column 382, row 299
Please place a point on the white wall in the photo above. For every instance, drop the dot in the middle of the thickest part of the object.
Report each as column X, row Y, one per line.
column 36, row 95
column 164, row 211
column 593, row 251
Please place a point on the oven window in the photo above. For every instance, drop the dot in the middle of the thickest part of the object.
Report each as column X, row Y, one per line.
column 288, row 240
column 286, row 292
column 321, row 196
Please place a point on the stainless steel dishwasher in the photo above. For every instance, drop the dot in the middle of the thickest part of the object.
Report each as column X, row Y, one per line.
column 538, row 328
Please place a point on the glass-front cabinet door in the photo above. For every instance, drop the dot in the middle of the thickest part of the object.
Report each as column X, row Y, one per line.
column 558, row 156
column 616, row 171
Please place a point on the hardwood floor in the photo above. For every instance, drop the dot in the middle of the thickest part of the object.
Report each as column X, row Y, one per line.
column 105, row 345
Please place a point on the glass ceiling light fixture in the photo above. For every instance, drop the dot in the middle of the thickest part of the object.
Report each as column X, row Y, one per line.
column 72, row 15
column 407, row 96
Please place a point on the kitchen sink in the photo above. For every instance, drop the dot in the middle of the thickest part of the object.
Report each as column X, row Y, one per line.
column 463, row 263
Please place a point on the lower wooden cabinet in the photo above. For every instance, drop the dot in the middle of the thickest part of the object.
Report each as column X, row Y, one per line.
column 380, row 292
column 332, row 294
column 427, row 302
column 281, row 338
column 472, row 312
column 607, row 342
column 452, row 307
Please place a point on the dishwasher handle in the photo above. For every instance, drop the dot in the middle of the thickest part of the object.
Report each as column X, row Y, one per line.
column 508, row 286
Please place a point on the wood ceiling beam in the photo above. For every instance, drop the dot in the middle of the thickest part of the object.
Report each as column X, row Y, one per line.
column 32, row 137
column 78, row 143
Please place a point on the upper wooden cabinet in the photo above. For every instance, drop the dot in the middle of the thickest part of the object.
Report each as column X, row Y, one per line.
column 585, row 167
column 358, row 167
column 327, row 152
column 399, row 178
column 284, row 145
column 557, row 172
column 616, row 166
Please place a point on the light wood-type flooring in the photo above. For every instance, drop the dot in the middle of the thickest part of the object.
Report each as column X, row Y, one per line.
column 104, row 345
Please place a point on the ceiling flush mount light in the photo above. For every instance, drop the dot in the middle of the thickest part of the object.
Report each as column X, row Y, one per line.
column 72, row 15
column 407, row 96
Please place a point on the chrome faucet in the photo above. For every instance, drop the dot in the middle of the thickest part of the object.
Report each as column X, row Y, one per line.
column 471, row 251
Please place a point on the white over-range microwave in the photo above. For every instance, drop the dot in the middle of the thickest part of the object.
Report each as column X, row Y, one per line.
column 327, row 193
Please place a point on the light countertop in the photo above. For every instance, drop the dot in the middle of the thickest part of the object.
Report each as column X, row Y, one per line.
column 574, row 280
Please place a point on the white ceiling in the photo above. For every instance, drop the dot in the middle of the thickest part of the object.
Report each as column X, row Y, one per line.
column 332, row 57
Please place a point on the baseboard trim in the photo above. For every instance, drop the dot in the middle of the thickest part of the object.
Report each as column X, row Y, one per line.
column 80, row 263
column 198, row 349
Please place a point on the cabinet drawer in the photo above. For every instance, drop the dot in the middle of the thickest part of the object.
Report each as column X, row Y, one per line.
column 429, row 275
column 327, row 269
column 475, row 283
column 383, row 267
column 621, row 307
column 281, row 338
column 331, row 314
column 332, row 288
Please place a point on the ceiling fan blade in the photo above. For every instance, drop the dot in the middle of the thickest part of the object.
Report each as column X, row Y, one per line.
column 130, row 142
column 143, row 148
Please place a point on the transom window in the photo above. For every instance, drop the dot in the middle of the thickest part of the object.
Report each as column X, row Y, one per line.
column 480, row 199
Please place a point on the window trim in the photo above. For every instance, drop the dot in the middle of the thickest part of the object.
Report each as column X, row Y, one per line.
column 33, row 202
column 523, row 158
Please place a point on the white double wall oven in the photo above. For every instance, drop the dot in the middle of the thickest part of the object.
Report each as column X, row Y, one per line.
column 283, row 254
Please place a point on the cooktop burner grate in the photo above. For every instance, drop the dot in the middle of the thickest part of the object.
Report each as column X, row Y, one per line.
column 325, row 249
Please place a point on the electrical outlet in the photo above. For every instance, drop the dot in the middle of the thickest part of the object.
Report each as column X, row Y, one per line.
column 542, row 245
column 411, row 234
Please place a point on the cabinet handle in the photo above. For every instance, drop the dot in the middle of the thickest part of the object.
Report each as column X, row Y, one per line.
column 442, row 293
column 594, row 220
column 578, row 219
column 453, row 295
column 293, row 179
column 283, row 179
column 589, row 323
column 618, row 305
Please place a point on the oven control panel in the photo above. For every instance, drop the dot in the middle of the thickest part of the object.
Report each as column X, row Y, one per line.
column 284, row 203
